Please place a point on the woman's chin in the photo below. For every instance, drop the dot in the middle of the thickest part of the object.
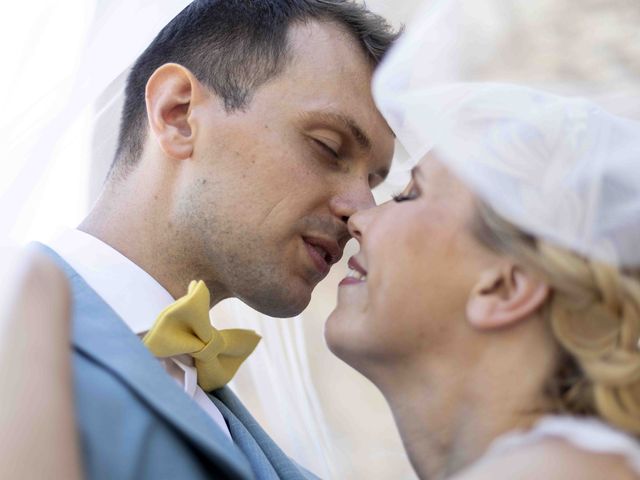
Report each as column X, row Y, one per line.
column 337, row 332
column 345, row 333
column 331, row 327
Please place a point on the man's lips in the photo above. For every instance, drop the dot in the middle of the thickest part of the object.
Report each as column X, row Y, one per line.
column 324, row 252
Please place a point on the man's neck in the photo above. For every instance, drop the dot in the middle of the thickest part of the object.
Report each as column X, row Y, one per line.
column 136, row 230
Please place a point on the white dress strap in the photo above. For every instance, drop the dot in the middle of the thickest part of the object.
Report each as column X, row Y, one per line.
column 584, row 433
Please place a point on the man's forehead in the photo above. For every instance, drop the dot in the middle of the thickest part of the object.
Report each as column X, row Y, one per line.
column 328, row 40
column 341, row 63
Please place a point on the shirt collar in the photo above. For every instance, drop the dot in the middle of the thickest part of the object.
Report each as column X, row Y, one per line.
column 130, row 291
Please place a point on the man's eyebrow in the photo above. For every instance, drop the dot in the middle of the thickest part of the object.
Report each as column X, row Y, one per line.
column 345, row 122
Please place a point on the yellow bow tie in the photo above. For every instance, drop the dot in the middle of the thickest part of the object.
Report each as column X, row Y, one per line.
column 184, row 327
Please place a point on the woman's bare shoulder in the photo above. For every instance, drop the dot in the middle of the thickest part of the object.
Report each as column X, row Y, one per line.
column 550, row 459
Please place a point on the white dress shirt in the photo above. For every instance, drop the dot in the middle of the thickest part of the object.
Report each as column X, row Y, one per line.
column 135, row 296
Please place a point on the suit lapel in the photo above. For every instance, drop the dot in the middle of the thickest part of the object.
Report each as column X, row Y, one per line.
column 100, row 334
column 267, row 459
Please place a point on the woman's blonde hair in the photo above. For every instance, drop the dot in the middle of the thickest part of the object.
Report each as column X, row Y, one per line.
column 594, row 314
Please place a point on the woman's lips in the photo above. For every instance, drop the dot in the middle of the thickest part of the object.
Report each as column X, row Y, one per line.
column 357, row 274
column 355, row 266
column 350, row 281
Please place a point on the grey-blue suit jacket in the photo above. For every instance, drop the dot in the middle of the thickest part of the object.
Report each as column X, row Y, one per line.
column 135, row 422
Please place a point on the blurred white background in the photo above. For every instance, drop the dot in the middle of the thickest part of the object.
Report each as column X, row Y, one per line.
column 58, row 139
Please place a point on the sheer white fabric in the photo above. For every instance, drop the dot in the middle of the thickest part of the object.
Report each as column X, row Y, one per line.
column 584, row 433
column 559, row 166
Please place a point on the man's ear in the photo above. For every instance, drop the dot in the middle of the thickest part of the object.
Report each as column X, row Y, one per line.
column 169, row 98
column 505, row 295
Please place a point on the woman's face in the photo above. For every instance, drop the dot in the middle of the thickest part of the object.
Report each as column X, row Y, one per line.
column 420, row 262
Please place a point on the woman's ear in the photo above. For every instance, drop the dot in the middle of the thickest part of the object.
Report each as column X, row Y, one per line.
column 169, row 98
column 505, row 295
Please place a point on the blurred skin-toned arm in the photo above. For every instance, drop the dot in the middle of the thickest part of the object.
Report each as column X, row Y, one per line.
column 552, row 460
column 36, row 396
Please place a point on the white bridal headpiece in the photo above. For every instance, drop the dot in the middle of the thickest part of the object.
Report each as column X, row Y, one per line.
column 527, row 141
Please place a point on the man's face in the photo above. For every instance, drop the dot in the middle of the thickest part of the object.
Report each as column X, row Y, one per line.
column 263, row 206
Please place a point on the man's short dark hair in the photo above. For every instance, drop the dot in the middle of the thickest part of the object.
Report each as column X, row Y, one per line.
column 233, row 47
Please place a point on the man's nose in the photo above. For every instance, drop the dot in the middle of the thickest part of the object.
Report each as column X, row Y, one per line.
column 359, row 222
column 352, row 200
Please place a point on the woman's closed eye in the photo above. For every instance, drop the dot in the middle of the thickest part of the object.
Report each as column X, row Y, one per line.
column 409, row 193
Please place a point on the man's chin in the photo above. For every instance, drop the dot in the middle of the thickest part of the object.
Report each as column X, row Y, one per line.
column 290, row 309
column 280, row 306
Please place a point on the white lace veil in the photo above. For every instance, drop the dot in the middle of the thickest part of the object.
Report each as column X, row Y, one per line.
column 66, row 65
column 545, row 144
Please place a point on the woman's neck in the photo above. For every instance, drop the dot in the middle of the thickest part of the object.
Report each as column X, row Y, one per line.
column 449, row 417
